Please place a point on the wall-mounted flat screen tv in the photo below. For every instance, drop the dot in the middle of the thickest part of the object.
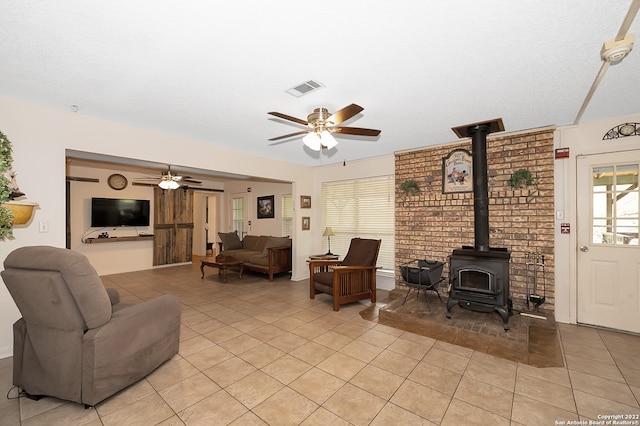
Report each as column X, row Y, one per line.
column 112, row 212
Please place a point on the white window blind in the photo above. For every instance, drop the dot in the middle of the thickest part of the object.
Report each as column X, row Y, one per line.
column 361, row 208
column 287, row 215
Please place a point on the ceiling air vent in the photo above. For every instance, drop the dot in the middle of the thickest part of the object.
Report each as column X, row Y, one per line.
column 304, row 88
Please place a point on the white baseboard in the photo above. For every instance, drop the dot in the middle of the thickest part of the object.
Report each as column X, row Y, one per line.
column 6, row 352
column 385, row 282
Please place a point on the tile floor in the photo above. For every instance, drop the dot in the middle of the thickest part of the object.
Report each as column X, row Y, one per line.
column 255, row 353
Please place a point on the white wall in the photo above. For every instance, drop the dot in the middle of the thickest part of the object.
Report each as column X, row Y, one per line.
column 583, row 139
column 107, row 258
column 40, row 136
column 123, row 256
column 266, row 226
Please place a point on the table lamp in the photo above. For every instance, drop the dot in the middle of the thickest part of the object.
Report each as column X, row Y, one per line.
column 328, row 232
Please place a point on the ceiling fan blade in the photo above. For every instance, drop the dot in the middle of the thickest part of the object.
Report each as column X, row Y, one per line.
column 288, row 117
column 344, row 114
column 193, row 181
column 355, row 131
column 290, row 135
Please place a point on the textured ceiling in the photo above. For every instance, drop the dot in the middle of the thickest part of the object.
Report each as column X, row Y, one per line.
column 211, row 70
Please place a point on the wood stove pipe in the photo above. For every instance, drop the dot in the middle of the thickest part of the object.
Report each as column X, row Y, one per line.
column 478, row 133
column 480, row 185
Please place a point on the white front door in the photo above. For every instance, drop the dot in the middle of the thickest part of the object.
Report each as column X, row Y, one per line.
column 608, row 258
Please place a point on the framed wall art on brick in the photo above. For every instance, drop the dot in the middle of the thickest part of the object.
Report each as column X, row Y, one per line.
column 457, row 172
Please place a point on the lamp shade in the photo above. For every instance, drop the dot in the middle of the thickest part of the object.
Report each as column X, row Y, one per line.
column 312, row 140
column 168, row 184
column 328, row 140
column 328, row 232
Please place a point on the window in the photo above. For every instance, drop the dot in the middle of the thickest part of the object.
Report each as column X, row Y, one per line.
column 237, row 216
column 287, row 215
column 361, row 208
column 615, row 204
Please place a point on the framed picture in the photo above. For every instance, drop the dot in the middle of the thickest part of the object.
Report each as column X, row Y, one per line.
column 457, row 172
column 305, row 202
column 306, row 223
column 266, row 208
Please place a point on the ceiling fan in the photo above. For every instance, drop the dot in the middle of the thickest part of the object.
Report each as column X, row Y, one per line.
column 168, row 180
column 321, row 125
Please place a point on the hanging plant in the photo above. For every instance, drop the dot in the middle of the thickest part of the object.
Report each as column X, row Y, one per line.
column 410, row 187
column 15, row 210
column 520, row 177
column 6, row 217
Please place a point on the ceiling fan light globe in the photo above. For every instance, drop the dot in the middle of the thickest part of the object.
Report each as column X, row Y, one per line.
column 164, row 184
column 328, row 140
column 174, row 185
column 312, row 141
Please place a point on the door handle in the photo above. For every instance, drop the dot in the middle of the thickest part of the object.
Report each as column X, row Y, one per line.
column 584, row 249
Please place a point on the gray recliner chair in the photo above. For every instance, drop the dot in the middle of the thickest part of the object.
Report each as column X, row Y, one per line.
column 75, row 340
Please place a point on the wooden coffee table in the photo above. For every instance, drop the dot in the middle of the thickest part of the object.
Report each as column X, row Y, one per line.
column 222, row 263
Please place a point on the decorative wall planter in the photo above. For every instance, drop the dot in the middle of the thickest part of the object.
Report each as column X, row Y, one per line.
column 14, row 210
column 22, row 211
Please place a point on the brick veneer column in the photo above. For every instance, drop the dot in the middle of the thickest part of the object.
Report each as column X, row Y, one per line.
column 432, row 224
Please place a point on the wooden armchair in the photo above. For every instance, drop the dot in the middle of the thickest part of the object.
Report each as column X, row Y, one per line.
column 349, row 280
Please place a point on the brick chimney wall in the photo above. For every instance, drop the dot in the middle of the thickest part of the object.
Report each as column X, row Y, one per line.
column 431, row 225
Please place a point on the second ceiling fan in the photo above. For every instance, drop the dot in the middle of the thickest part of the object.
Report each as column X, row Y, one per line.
column 168, row 180
column 321, row 124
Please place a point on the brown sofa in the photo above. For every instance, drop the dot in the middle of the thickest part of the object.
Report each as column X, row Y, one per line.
column 75, row 340
column 265, row 254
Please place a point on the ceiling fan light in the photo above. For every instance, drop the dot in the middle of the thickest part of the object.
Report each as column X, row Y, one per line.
column 328, row 140
column 312, row 141
column 168, row 184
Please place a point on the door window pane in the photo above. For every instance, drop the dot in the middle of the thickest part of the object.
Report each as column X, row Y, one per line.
column 287, row 215
column 602, row 178
column 615, row 205
column 237, row 212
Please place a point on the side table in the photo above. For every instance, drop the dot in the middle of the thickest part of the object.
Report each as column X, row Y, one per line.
column 324, row 257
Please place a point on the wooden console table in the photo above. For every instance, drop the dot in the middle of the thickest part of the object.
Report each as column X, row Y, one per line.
column 118, row 239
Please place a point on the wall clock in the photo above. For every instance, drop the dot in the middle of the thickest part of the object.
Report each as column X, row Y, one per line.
column 117, row 181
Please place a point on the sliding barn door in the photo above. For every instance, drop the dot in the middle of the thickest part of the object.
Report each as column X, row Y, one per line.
column 173, row 226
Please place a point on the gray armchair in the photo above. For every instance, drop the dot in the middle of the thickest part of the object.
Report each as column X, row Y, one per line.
column 75, row 340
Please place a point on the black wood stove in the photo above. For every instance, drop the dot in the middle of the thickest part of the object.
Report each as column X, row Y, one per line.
column 479, row 275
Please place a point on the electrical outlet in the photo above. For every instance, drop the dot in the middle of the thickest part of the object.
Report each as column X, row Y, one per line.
column 44, row 226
